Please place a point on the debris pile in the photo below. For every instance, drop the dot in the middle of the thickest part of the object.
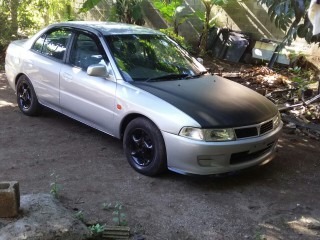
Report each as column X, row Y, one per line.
column 264, row 77
column 295, row 91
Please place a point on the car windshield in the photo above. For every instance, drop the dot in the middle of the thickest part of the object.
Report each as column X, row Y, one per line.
column 152, row 58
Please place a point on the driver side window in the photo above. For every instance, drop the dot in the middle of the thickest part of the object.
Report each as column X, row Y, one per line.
column 85, row 52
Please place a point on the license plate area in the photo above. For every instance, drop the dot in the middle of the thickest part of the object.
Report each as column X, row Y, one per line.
column 246, row 156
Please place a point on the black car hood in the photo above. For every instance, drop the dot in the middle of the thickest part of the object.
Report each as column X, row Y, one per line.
column 213, row 101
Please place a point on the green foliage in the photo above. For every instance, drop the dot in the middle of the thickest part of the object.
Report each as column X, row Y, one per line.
column 129, row 11
column 280, row 12
column 126, row 11
column 88, row 5
column 291, row 17
column 55, row 187
column 28, row 21
column 212, row 20
column 259, row 236
column 5, row 35
column 97, row 229
column 177, row 38
column 35, row 14
column 302, row 78
column 301, row 84
column 119, row 217
column 207, row 21
column 172, row 12
column 20, row 18
column 295, row 69
column 79, row 215
column 167, row 8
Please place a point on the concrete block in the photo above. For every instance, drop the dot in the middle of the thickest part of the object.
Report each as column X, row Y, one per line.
column 9, row 199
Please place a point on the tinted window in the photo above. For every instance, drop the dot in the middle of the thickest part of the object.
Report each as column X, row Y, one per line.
column 53, row 44
column 39, row 43
column 85, row 52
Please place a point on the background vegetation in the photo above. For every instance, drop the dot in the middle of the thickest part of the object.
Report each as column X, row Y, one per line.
column 21, row 18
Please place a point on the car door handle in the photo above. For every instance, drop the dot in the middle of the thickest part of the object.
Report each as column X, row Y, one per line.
column 67, row 77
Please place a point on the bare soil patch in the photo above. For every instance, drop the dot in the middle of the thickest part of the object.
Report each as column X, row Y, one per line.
column 278, row 201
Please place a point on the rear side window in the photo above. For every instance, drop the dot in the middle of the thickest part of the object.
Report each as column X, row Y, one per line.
column 53, row 44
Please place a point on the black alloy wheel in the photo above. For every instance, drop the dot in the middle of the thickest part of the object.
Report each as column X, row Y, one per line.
column 144, row 147
column 26, row 97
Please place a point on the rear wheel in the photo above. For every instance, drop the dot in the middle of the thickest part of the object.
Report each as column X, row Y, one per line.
column 144, row 147
column 26, row 97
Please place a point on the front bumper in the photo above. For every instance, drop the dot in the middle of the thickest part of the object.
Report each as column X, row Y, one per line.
column 188, row 156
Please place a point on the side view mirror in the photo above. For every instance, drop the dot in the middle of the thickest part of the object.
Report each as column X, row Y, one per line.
column 200, row 60
column 97, row 70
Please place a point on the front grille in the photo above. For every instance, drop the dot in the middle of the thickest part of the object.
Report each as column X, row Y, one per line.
column 254, row 130
column 246, row 132
column 266, row 127
column 242, row 157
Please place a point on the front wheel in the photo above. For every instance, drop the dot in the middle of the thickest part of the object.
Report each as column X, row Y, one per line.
column 26, row 97
column 144, row 147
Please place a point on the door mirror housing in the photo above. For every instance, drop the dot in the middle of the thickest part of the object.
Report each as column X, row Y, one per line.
column 97, row 70
column 200, row 60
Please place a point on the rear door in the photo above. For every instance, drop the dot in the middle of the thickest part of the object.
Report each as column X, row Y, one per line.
column 44, row 65
column 88, row 99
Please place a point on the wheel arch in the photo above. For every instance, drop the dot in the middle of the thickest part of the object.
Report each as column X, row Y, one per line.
column 17, row 78
column 127, row 119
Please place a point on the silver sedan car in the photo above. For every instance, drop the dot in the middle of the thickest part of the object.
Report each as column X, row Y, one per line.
column 139, row 86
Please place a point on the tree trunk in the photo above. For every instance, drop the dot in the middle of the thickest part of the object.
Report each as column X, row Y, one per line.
column 14, row 17
column 205, row 32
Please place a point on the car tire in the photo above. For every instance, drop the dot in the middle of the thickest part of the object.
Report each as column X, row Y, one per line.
column 144, row 147
column 26, row 97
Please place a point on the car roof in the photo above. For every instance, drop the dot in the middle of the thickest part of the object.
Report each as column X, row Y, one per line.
column 109, row 28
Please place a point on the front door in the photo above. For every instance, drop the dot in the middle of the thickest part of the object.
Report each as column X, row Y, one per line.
column 88, row 99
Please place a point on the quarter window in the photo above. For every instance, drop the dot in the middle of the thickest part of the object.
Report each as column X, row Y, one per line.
column 53, row 44
column 39, row 43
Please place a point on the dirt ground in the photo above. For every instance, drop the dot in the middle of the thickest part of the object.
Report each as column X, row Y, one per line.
column 278, row 201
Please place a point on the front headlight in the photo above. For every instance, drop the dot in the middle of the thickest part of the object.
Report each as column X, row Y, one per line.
column 276, row 121
column 218, row 135
column 208, row 135
column 193, row 133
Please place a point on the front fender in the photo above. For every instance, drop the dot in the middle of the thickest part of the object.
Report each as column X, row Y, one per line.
column 133, row 101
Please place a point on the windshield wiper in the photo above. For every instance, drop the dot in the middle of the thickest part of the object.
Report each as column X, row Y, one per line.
column 168, row 77
column 197, row 75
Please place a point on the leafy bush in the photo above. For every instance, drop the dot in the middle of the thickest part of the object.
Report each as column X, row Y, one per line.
column 177, row 38
column 291, row 17
column 5, row 36
column 167, row 9
column 127, row 11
